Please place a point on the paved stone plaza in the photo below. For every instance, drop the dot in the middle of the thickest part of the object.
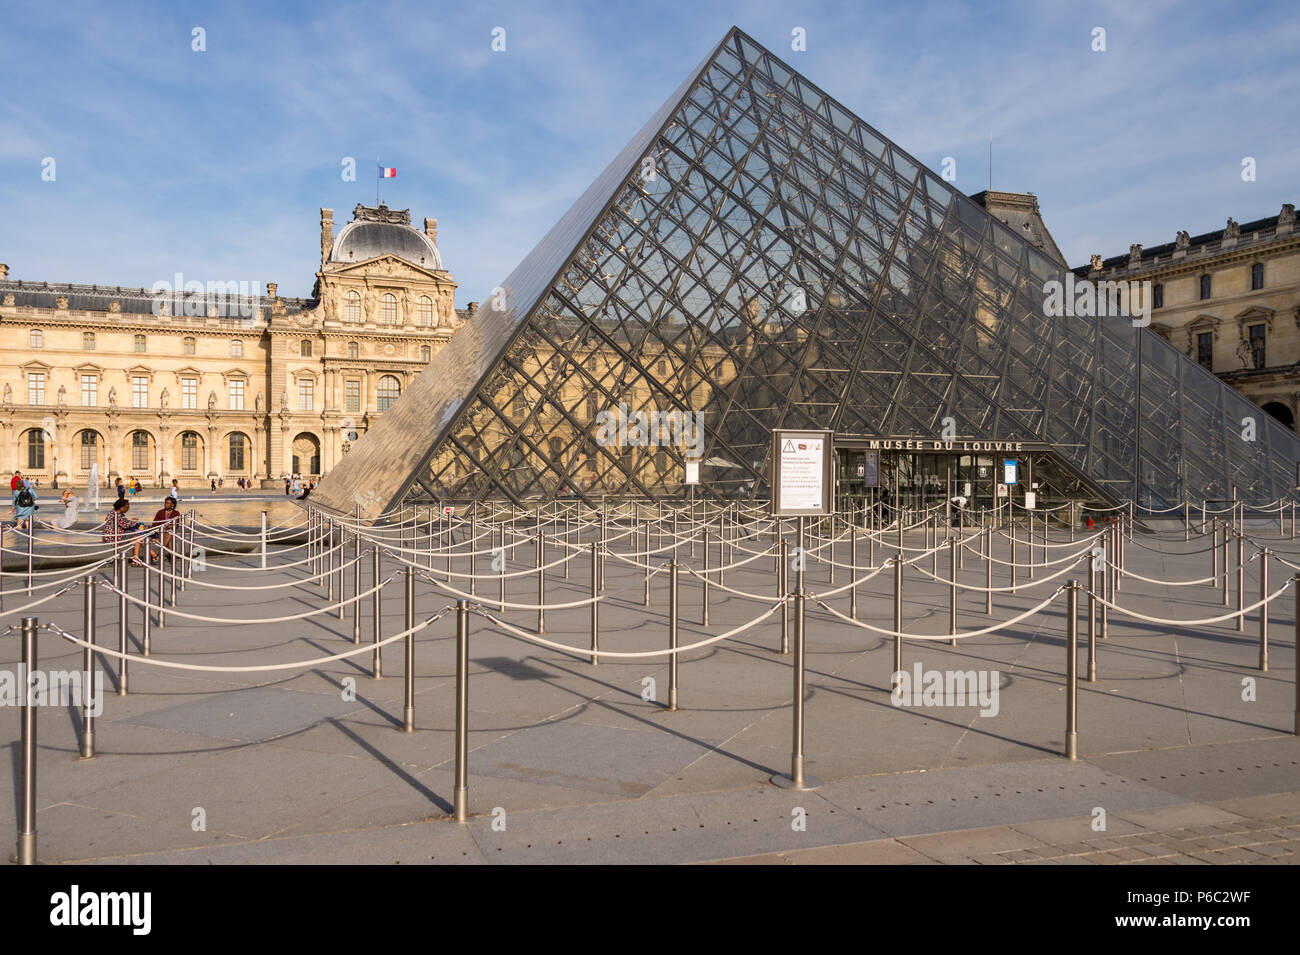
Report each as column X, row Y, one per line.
column 569, row 763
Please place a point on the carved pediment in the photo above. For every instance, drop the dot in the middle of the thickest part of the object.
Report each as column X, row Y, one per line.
column 88, row 368
column 384, row 267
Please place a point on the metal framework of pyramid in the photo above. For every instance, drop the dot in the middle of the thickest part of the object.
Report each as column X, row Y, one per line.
column 759, row 257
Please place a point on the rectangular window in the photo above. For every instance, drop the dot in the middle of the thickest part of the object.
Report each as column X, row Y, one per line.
column 1205, row 350
column 305, row 394
column 35, row 338
column 139, row 344
column 189, row 346
column 1205, row 286
column 36, row 388
column 139, row 451
column 89, row 446
column 1257, row 346
column 236, row 396
column 189, row 452
column 139, row 391
column 189, row 393
column 89, row 391
column 352, row 401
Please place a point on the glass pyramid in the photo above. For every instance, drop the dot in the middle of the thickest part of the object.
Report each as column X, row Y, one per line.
column 759, row 257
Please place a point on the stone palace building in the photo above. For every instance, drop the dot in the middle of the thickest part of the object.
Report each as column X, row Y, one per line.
column 213, row 381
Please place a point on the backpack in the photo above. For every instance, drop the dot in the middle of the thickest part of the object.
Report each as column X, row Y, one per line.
column 25, row 498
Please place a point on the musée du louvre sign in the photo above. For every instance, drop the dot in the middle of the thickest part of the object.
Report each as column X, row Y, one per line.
column 938, row 444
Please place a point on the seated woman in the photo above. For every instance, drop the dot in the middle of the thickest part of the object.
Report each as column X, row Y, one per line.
column 118, row 527
column 69, row 515
column 167, row 519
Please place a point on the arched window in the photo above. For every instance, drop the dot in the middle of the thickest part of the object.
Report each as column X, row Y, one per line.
column 354, row 350
column 189, row 451
column 89, row 449
column 237, row 444
column 1257, row 276
column 189, row 346
column 35, row 449
column 304, row 348
column 139, row 450
column 389, row 389
column 424, row 311
column 236, row 348
column 425, row 353
column 35, row 338
column 352, row 306
column 388, row 309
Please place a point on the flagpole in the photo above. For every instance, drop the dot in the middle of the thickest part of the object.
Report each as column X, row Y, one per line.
column 378, row 170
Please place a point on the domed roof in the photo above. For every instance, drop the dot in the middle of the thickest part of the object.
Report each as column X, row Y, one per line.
column 381, row 231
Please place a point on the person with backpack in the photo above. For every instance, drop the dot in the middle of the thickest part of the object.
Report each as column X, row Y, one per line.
column 24, row 507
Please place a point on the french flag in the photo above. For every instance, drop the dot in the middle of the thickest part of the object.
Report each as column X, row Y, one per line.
column 387, row 172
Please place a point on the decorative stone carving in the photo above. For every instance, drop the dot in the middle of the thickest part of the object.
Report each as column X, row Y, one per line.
column 62, row 302
column 63, row 396
column 163, row 398
column 115, row 306
column 212, row 400
column 431, row 230
column 1183, row 240
column 1244, row 353
column 284, row 400
column 258, row 403
column 1135, row 253
column 8, row 394
column 9, row 298
column 112, row 397
column 164, row 307
column 1096, row 262
column 326, row 234
column 368, row 305
column 1232, row 230
column 381, row 213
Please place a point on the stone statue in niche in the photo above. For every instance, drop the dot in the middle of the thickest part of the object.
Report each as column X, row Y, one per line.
column 257, row 403
column 112, row 397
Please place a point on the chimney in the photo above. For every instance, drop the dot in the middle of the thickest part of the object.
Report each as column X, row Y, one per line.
column 431, row 230
column 326, row 234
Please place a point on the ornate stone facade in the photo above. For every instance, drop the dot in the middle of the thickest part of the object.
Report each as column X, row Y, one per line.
column 194, row 386
column 1229, row 299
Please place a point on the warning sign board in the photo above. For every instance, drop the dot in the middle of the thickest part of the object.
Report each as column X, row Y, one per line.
column 801, row 473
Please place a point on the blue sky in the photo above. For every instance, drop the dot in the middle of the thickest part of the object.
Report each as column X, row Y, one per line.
column 215, row 163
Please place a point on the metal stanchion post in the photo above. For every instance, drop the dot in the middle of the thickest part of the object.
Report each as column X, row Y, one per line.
column 460, row 804
column 1225, row 563
column 122, row 622
column 264, row 540
column 646, row 566
column 853, row 571
column 146, row 579
column 830, row 551
column 356, row 589
column 408, row 711
column 1092, row 620
column 1011, row 530
column 501, row 572
column 898, row 623
column 952, row 589
column 88, row 669
column 473, row 546
column 1241, row 581
column 1263, row 610
column 26, row 846
column 1103, row 615
column 541, row 581
column 782, row 586
column 31, row 536
column 1071, row 670
column 377, row 664
column 704, row 581
column 797, row 779
column 1295, row 643
column 594, row 548
column 988, row 569
column 672, row 634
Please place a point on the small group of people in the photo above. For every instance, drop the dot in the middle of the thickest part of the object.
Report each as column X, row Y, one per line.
column 298, row 486
column 130, row 487
column 25, row 506
column 118, row 526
